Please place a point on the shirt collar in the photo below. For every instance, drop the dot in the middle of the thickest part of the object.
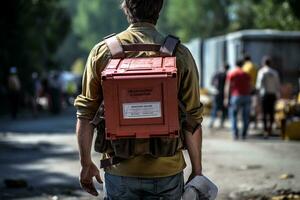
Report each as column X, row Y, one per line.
column 266, row 67
column 238, row 69
column 141, row 25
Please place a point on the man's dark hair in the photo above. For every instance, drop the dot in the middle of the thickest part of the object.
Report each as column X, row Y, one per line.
column 239, row 63
column 266, row 61
column 247, row 57
column 226, row 67
column 142, row 10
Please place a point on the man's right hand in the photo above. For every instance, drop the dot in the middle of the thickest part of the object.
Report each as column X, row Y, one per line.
column 86, row 178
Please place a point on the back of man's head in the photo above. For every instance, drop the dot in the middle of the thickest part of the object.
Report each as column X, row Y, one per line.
column 239, row 63
column 247, row 57
column 142, row 10
column 226, row 67
column 266, row 61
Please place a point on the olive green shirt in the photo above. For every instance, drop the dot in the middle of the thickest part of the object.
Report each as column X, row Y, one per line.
column 89, row 100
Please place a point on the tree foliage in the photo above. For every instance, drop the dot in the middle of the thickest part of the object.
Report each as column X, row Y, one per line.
column 195, row 18
column 96, row 19
column 241, row 15
column 34, row 29
column 259, row 14
column 31, row 32
column 277, row 14
column 206, row 18
column 92, row 21
column 186, row 19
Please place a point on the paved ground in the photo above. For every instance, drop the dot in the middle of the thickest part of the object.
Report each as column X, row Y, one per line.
column 41, row 155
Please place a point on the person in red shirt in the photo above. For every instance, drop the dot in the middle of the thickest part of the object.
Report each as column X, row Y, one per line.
column 238, row 88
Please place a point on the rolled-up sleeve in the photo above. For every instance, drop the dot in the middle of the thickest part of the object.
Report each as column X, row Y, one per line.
column 189, row 90
column 88, row 102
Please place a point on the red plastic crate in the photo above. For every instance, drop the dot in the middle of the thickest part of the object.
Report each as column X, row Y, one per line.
column 140, row 95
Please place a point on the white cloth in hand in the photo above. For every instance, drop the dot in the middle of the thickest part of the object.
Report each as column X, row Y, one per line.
column 200, row 188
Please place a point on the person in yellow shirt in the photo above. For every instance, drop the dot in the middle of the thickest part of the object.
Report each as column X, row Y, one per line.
column 250, row 68
column 143, row 176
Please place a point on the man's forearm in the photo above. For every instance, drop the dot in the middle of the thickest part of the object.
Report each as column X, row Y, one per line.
column 194, row 147
column 84, row 131
column 226, row 91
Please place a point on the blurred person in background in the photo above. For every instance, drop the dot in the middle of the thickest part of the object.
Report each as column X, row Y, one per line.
column 55, row 93
column 250, row 68
column 34, row 92
column 14, row 91
column 70, row 95
column 238, row 88
column 218, row 82
column 3, row 95
column 268, row 85
column 298, row 95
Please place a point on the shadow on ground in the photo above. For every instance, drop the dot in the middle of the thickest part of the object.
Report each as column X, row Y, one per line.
column 23, row 173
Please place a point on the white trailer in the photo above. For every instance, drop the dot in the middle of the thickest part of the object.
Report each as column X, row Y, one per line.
column 282, row 46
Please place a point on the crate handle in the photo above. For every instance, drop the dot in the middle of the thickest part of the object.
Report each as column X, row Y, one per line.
column 141, row 76
column 139, row 69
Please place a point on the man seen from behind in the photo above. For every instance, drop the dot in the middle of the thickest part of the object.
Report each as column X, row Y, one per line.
column 268, row 85
column 218, row 82
column 238, row 88
column 143, row 176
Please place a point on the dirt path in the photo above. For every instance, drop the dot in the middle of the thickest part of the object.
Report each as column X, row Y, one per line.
column 48, row 163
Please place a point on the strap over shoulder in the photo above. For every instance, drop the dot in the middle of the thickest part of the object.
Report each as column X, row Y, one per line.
column 169, row 46
column 118, row 50
column 114, row 46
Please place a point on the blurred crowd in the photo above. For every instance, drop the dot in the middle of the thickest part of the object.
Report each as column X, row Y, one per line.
column 50, row 92
column 251, row 93
column 244, row 91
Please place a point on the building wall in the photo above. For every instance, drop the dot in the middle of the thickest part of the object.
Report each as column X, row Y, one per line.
column 195, row 48
column 285, row 56
column 283, row 47
column 214, row 57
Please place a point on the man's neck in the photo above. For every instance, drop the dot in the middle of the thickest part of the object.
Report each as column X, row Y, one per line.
column 136, row 24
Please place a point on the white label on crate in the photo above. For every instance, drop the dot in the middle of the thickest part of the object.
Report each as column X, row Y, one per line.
column 141, row 110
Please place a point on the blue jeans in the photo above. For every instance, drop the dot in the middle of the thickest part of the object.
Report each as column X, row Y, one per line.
column 131, row 188
column 218, row 106
column 238, row 103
